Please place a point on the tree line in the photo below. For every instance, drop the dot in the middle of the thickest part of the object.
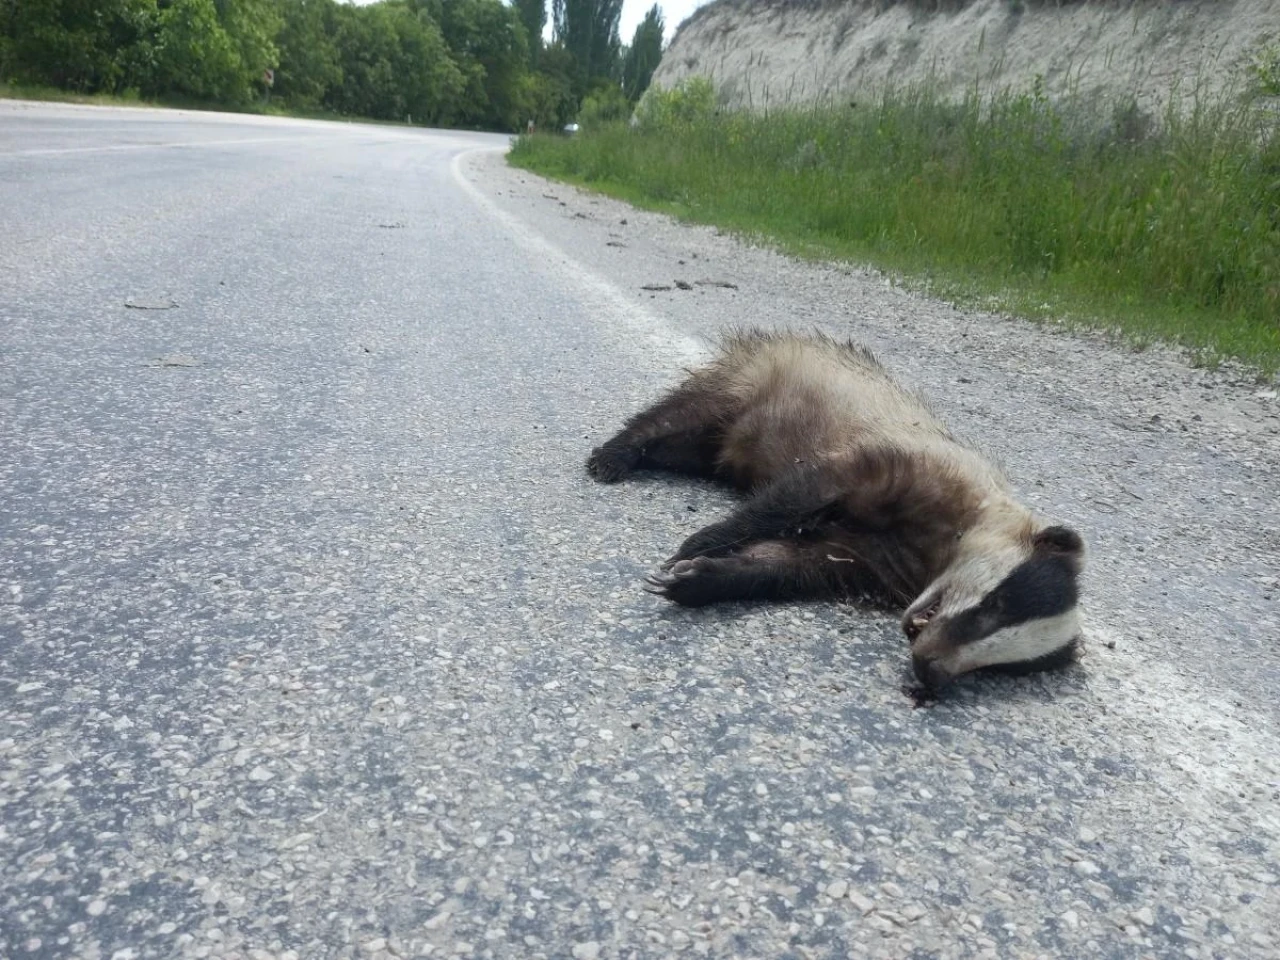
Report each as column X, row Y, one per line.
column 467, row 63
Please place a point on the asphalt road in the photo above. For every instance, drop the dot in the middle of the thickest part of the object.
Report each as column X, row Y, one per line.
column 316, row 640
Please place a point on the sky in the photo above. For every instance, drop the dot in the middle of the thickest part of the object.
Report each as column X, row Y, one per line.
column 673, row 12
column 633, row 11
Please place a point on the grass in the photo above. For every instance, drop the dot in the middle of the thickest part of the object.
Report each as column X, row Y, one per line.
column 1167, row 231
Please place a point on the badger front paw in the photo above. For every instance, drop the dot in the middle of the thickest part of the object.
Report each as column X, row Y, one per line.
column 696, row 583
column 684, row 582
column 710, row 541
column 609, row 464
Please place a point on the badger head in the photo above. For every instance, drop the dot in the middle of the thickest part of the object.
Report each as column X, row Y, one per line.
column 1006, row 602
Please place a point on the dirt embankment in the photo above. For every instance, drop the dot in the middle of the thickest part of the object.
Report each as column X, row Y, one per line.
column 768, row 53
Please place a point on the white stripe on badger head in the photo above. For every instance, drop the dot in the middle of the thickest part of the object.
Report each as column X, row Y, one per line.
column 966, row 582
column 1020, row 643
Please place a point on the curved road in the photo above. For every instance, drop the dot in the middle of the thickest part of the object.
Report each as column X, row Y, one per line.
column 316, row 641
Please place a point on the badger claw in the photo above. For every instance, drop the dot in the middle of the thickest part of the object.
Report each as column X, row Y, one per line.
column 609, row 464
column 671, row 571
column 656, row 584
column 667, row 583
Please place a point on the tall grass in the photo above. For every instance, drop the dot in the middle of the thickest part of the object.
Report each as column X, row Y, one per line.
column 1166, row 230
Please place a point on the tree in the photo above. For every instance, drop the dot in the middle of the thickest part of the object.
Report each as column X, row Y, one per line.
column 489, row 43
column 547, row 95
column 395, row 63
column 251, row 26
column 588, row 29
column 209, row 49
column 77, row 44
column 366, row 41
column 309, row 62
column 428, row 71
column 533, row 15
column 194, row 56
column 438, row 61
column 643, row 54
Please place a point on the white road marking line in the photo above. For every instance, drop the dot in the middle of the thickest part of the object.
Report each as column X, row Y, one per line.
column 1208, row 747
column 683, row 349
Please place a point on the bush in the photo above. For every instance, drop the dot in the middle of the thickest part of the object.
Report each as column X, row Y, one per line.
column 1266, row 70
column 607, row 105
column 689, row 103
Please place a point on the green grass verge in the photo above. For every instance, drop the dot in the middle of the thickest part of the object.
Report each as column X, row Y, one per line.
column 1167, row 232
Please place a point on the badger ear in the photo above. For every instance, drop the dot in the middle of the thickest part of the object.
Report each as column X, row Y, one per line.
column 1061, row 540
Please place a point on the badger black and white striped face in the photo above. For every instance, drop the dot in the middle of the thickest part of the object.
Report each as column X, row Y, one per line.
column 1007, row 606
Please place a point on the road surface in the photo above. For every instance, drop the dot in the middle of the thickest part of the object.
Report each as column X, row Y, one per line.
column 316, row 640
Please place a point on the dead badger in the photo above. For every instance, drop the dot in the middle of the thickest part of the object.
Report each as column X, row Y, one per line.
column 857, row 490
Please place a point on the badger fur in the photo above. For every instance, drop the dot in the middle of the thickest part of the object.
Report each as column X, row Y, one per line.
column 855, row 490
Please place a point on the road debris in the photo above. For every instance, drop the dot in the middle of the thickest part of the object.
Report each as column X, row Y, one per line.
column 173, row 360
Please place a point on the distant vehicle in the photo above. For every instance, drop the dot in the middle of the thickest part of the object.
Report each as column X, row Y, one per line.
column 570, row 128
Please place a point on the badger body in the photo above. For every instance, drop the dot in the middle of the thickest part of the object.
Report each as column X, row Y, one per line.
column 855, row 490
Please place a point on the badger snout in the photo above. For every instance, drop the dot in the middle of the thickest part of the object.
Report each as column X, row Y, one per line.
column 925, row 630
column 932, row 675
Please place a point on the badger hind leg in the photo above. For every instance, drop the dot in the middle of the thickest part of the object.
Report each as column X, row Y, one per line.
column 679, row 433
column 765, row 570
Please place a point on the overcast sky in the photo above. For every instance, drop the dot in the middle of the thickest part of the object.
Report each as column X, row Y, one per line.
column 633, row 11
column 673, row 11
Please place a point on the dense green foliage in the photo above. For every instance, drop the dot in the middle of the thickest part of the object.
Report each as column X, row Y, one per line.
column 533, row 16
column 475, row 63
column 1164, row 229
column 589, row 31
column 643, row 54
column 1266, row 69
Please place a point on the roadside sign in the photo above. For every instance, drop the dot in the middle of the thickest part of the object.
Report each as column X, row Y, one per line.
column 269, row 77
